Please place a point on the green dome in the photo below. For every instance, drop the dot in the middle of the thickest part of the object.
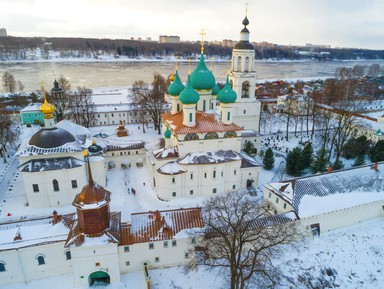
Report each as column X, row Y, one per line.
column 215, row 89
column 167, row 133
column 227, row 94
column 202, row 77
column 176, row 86
column 189, row 95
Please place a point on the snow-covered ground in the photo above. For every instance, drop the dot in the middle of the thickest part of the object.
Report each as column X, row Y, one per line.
column 347, row 258
column 351, row 257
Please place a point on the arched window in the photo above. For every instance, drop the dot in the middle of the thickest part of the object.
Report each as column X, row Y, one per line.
column 191, row 136
column 55, row 184
column 230, row 134
column 238, row 63
column 68, row 255
column 245, row 90
column 2, row 266
column 211, row 135
column 246, row 64
column 40, row 259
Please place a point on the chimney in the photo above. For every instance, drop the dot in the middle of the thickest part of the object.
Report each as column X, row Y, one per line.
column 157, row 216
column 376, row 166
column 56, row 218
column 329, row 170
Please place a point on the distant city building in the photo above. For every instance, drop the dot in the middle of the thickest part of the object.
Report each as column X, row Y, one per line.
column 148, row 39
column 317, row 46
column 169, row 39
column 229, row 42
column 3, row 32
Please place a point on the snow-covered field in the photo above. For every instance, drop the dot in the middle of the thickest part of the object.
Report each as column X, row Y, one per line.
column 348, row 258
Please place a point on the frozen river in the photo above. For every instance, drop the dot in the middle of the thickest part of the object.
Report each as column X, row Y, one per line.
column 118, row 74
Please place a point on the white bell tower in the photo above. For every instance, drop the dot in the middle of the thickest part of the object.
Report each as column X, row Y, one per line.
column 243, row 81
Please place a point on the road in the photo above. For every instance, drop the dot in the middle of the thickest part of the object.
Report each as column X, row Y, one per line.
column 6, row 179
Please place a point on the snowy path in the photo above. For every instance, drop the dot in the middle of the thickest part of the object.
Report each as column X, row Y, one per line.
column 9, row 172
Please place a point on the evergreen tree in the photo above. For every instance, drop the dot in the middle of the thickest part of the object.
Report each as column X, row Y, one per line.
column 355, row 147
column 338, row 165
column 294, row 162
column 359, row 161
column 249, row 148
column 320, row 162
column 376, row 153
column 269, row 160
column 307, row 155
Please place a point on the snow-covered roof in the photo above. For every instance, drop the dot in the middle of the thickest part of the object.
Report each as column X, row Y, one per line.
column 31, row 232
column 73, row 128
column 31, row 107
column 165, row 153
column 160, row 225
column 30, row 150
column 205, row 122
column 50, row 164
column 213, row 157
column 171, row 168
column 125, row 146
column 332, row 191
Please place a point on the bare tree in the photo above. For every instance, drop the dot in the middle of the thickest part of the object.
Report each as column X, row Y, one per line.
column 64, row 83
column 81, row 106
column 151, row 98
column 8, row 133
column 9, row 82
column 20, row 86
column 240, row 238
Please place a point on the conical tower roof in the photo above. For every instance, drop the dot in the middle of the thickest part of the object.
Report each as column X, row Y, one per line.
column 91, row 193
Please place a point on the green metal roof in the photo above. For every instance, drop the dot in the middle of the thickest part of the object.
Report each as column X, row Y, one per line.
column 189, row 95
column 202, row 77
column 167, row 133
column 215, row 89
column 227, row 94
column 176, row 86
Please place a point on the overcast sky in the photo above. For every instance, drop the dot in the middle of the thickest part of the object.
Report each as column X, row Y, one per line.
column 340, row 23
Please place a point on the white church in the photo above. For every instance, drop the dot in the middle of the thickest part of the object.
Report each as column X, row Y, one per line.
column 201, row 157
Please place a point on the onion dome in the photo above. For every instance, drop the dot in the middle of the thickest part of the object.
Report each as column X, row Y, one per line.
column 176, row 86
column 51, row 138
column 215, row 89
column 227, row 94
column 244, row 43
column 189, row 95
column 245, row 21
column 47, row 109
column 95, row 148
column 167, row 133
column 56, row 87
column 202, row 78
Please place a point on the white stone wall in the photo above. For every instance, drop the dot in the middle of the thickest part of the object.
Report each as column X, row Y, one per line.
column 89, row 258
column 22, row 265
column 141, row 253
column 206, row 180
column 46, row 196
column 345, row 217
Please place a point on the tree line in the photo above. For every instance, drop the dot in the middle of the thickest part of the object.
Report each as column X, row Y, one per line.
column 16, row 48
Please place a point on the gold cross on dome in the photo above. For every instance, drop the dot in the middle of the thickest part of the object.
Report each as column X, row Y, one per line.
column 202, row 33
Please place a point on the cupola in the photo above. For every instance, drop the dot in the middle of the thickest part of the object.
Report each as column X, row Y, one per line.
column 227, row 94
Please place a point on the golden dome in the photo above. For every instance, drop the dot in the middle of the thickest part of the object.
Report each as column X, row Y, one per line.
column 46, row 108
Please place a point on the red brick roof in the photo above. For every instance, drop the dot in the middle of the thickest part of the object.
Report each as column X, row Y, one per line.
column 159, row 225
column 205, row 122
